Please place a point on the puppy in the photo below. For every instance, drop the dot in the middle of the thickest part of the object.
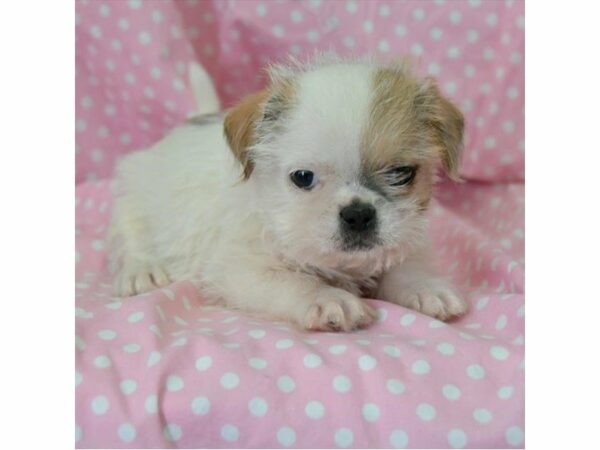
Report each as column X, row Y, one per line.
column 304, row 197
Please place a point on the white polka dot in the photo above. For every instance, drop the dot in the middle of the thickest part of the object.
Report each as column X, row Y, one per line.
column 96, row 31
column 172, row 432
column 102, row 362
column 261, row 9
column 457, row 438
column 366, row 362
column 151, row 404
column 312, row 360
column 426, row 412
column 200, row 406
column 153, row 358
column 135, row 317
column 451, row 392
column 399, row 439
column 257, row 334
column 258, row 406
column 128, row 387
column 418, row 14
column 135, row 4
column 455, row 17
column 416, row 49
column 175, row 383
column 436, row 33
column 296, row 16
column 475, row 3
column 476, row 372
column 400, row 30
column 107, row 335
column 436, row 324
column 100, row 405
column 445, row 348
column 257, row 363
column 453, row 52
column 78, row 433
column 80, row 125
column 383, row 46
column 352, row 6
column 421, row 367
column 505, row 392
column 312, row 36
column 491, row 19
column 286, row 436
column 132, row 348
column 230, row 433
column 508, row 126
column 286, row 384
column 78, row 378
column 482, row 415
column 145, row 38
column 407, row 319
column 392, row 351
column 230, row 380
column 314, row 409
column 514, row 436
column 344, row 437
column 489, row 142
column 500, row 353
column 337, row 349
column 395, row 386
column 367, row 26
column 342, row 383
column 126, row 432
column 370, row 412
column 283, row 344
column 512, row 92
column 501, row 322
column 433, row 68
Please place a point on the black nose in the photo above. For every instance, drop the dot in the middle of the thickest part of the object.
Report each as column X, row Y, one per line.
column 358, row 216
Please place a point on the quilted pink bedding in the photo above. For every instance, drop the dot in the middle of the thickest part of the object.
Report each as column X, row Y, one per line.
column 164, row 370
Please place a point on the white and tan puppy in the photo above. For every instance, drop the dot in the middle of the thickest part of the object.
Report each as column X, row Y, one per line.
column 303, row 198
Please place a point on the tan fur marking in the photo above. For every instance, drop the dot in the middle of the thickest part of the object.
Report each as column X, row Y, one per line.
column 411, row 123
column 239, row 127
column 241, row 122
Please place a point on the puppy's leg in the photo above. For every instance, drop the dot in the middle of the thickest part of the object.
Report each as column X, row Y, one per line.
column 135, row 269
column 415, row 284
column 296, row 297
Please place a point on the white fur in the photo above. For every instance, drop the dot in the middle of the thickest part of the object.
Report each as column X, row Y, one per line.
column 262, row 245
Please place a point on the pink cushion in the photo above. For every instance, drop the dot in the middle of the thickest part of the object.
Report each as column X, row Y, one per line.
column 132, row 58
column 162, row 370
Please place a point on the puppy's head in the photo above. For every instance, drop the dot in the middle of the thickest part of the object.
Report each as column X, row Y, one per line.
column 343, row 156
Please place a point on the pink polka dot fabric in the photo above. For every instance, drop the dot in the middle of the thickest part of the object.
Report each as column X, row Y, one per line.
column 132, row 59
column 163, row 370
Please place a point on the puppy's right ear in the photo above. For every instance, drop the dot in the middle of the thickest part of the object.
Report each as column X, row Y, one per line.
column 240, row 127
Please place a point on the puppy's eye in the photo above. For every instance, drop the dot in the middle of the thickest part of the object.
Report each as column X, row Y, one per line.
column 304, row 179
column 401, row 175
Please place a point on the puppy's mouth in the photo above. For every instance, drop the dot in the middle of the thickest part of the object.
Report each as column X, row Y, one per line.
column 358, row 242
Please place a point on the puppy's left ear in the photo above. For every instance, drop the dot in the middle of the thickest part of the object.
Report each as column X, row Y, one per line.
column 240, row 128
column 447, row 124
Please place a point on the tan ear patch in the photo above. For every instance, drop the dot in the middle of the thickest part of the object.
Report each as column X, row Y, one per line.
column 240, row 127
column 257, row 114
column 448, row 124
column 411, row 122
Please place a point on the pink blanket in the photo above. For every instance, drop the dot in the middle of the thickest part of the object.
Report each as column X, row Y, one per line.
column 161, row 370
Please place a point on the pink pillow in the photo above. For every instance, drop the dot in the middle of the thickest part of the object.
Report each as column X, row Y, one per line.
column 132, row 57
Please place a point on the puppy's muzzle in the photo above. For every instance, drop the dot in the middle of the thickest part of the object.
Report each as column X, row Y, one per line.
column 358, row 217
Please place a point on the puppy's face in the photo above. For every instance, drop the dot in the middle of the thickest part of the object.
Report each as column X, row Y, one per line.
column 343, row 157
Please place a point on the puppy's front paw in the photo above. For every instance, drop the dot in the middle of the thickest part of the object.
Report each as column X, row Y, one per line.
column 436, row 300
column 130, row 282
column 338, row 310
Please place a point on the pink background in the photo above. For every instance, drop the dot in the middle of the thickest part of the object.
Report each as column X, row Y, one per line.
column 132, row 57
column 162, row 370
